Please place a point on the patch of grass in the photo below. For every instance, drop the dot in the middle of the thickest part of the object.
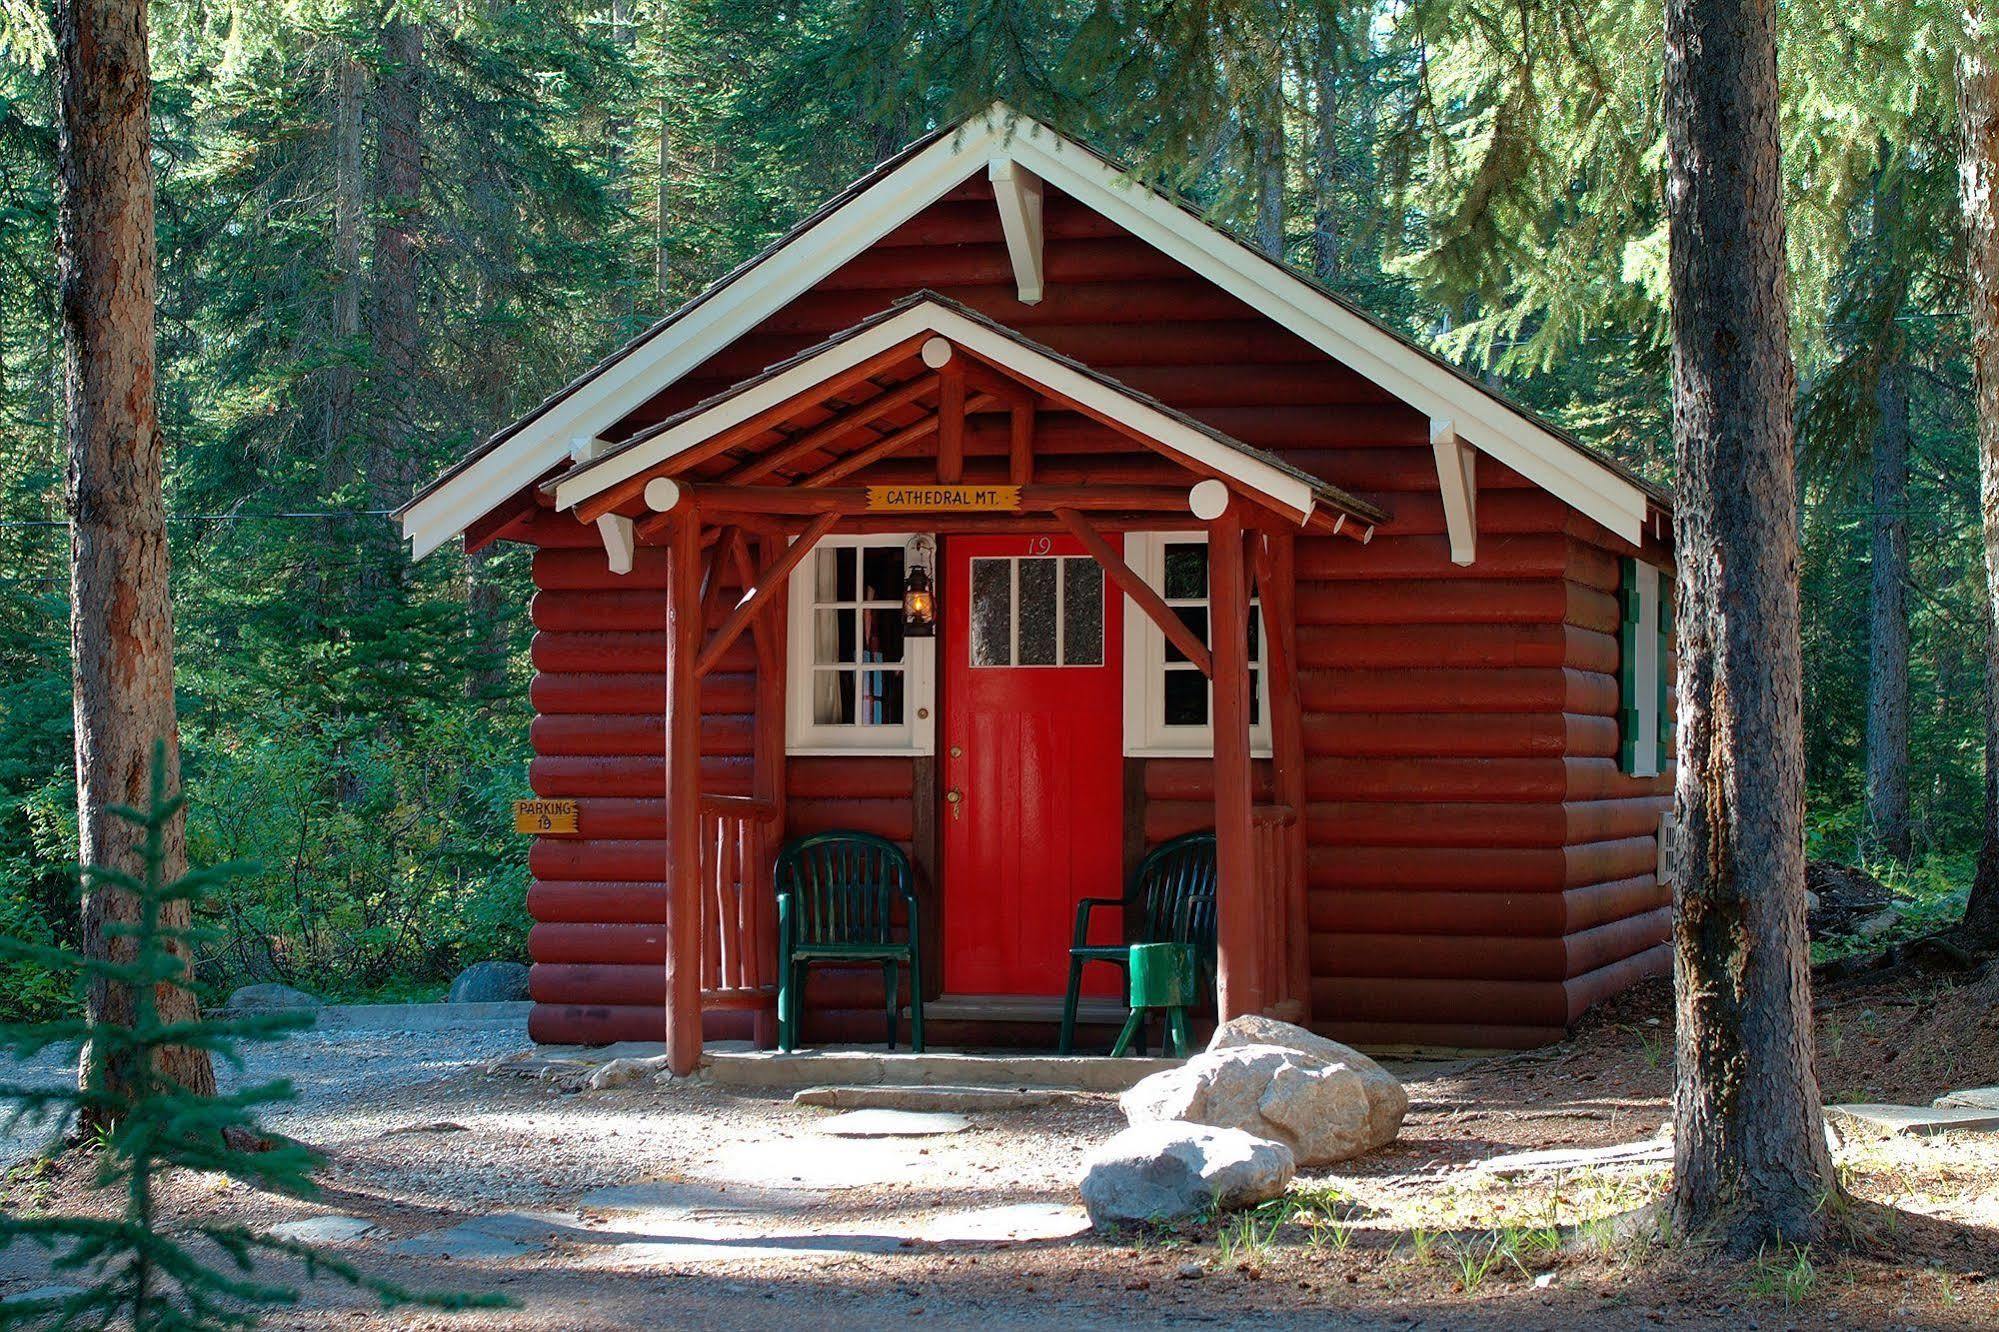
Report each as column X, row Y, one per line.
column 1248, row 1237
column 1475, row 1258
column 1422, row 1245
column 1783, row 1272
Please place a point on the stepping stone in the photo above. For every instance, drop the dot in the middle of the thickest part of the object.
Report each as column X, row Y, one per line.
column 1653, row 1151
column 464, row 1241
column 805, row 1163
column 893, row 1124
column 322, row 1229
column 1971, row 1098
column 1021, row 1221
column 948, row 1099
column 1917, row 1121
column 696, row 1249
column 688, row 1198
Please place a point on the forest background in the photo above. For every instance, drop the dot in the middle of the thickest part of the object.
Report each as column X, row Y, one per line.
column 387, row 229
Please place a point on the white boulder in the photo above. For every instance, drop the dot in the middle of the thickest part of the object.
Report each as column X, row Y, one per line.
column 1172, row 1172
column 1325, row 1102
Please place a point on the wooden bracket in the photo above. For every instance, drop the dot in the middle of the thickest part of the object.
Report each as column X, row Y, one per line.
column 1457, row 480
column 1018, row 193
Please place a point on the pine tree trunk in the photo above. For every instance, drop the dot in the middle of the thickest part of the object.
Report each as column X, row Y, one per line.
column 1888, row 624
column 663, row 213
column 121, row 617
column 349, row 206
column 1269, row 164
column 393, row 463
column 1978, row 177
column 1326, row 157
column 1750, row 1159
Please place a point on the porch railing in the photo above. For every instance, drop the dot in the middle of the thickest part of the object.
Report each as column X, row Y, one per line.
column 738, row 904
column 1278, row 866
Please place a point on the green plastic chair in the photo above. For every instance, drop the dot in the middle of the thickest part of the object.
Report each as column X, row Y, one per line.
column 1170, row 899
column 837, row 897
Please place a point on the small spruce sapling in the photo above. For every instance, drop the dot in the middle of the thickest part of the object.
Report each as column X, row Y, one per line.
column 132, row 1269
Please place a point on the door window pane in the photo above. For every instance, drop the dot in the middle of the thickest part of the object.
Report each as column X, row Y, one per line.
column 992, row 613
column 1037, row 613
column 1082, row 613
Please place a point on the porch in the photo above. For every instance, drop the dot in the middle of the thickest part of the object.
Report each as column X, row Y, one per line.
column 934, row 419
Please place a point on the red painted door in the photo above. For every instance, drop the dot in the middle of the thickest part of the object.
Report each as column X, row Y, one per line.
column 1032, row 765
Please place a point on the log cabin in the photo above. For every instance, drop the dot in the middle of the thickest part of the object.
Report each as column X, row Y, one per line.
column 1209, row 548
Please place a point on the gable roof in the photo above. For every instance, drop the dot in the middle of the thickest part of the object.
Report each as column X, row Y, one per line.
column 921, row 174
column 1278, row 482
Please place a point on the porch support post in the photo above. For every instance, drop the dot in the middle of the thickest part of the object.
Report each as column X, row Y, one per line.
column 1240, row 899
column 951, row 422
column 683, row 792
column 1276, row 574
column 767, row 775
column 1020, row 443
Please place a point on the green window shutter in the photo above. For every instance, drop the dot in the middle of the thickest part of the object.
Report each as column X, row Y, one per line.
column 1627, row 667
column 1665, row 672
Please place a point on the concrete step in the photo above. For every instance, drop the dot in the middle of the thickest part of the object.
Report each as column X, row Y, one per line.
column 770, row 1069
column 949, row 1100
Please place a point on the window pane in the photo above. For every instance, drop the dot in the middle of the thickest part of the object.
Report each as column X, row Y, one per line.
column 1186, row 698
column 833, row 637
column 1186, row 572
column 1255, row 635
column 992, row 613
column 1037, row 612
column 1195, row 618
column 833, row 698
column 881, row 698
column 834, row 580
column 881, row 573
column 1082, row 613
column 1255, row 701
column 882, row 630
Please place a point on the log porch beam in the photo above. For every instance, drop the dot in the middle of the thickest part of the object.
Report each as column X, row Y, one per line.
column 1141, row 593
column 825, row 433
column 618, row 494
column 769, row 580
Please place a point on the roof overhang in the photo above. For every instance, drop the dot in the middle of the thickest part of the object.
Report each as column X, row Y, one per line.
column 926, row 172
column 900, row 332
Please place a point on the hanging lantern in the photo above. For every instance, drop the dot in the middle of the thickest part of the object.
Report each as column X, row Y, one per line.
column 919, row 605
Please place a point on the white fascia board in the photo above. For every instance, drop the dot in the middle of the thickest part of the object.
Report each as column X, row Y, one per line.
column 1001, row 350
column 581, row 485
column 1376, row 355
column 702, row 331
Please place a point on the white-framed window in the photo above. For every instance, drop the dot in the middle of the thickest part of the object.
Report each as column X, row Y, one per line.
column 1168, row 702
column 1644, row 727
column 855, row 684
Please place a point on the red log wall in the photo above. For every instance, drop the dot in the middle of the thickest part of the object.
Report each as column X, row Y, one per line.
column 1479, row 870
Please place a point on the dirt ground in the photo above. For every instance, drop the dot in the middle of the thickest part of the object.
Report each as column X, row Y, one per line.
column 684, row 1204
